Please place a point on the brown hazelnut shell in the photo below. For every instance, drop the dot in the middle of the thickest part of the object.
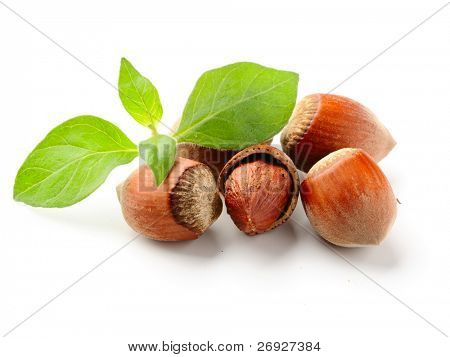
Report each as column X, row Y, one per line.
column 348, row 199
column 323, row 123
column 271, row 155
column 214, row 158
column 181, row 208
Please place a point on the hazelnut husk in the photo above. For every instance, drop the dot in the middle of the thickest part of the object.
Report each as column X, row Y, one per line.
column 214, row 158
column 323, row 123
column 348, row 199
column 181, row 208
column 260, row 185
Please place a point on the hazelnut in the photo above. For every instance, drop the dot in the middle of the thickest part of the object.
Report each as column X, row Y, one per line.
column 348, row 199
column 324, row 123
column 181, row 208
column 260, row 185
column 214, row 158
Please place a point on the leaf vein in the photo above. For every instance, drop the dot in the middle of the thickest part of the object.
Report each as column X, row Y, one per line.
column 68, row 164
column 139, row 93
column 206, row 118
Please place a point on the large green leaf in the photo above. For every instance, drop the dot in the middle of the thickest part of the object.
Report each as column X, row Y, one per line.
column 159, row 153
column 238, row 105
column 71, row 162
column 138, row 95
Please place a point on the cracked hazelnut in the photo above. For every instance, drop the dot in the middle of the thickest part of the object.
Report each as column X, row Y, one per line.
column 260, row 185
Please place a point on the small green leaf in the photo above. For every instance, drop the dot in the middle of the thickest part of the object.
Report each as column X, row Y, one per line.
column 159, row 153
column 71, row 162
column 138, row 95
column 238, row 105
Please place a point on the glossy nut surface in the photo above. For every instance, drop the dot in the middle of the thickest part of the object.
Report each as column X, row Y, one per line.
column 348, row 199
column 324, row 123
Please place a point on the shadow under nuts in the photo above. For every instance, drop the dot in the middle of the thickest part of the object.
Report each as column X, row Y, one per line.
column 324, row 123
column 181, row 208
column 348, row 199
column 260, row 185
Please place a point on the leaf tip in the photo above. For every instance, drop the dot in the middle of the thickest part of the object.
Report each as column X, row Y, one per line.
column 158, row 181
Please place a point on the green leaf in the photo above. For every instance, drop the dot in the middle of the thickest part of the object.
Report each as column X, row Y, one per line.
column 238, row 105
column 138, row 95
column 71, row 162
column 159, row 153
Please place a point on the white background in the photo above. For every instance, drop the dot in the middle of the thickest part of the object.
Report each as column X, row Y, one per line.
column 225, row 287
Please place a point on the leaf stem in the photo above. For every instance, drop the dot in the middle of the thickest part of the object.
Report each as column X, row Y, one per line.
column 154, row 130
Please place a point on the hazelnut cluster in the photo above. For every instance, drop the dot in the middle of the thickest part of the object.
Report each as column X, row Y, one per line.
column 335, row 140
